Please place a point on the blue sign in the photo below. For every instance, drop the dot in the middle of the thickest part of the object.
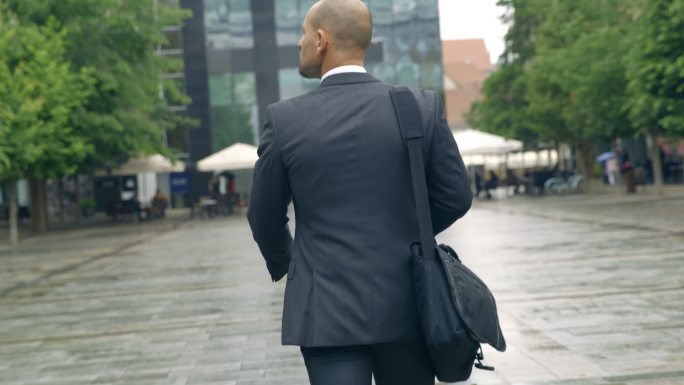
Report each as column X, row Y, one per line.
column 180, row 182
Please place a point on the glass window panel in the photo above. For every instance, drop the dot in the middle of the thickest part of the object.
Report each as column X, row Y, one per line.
column 291, row 84
column 287, row 20
column 384, row 71
column 215, row 14
column 245, row 88
column 403, row 10
column 427, row 10
column 240, row 23
column 304, row 6
column 382, row 12
column 221, row 90
column 431, row 75
column 231, row 124
column 228, row 23
column 408, row 73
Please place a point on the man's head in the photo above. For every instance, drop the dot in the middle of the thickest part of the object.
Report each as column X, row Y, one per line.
column 335, row 32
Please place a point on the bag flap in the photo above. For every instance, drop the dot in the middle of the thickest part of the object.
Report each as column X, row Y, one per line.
column 473, row 300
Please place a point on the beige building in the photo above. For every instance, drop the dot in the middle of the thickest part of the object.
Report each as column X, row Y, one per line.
column 466, row 66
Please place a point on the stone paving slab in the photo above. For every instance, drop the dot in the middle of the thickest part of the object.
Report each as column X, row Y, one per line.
column 581, row 302
column 643, row 210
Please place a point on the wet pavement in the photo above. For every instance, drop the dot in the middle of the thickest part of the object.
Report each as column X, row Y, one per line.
column 585, row 297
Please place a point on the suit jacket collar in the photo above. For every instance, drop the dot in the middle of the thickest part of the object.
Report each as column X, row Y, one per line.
column 348, row 78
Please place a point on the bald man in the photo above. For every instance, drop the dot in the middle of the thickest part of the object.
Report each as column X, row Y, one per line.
column 338, row 155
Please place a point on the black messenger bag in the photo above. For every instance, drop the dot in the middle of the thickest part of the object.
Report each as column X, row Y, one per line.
column 456, row 309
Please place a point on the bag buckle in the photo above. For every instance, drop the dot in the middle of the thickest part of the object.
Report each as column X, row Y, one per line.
column 479, row 356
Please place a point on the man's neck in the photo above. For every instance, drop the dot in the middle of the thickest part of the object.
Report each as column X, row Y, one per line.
column 335, row 61
column 349, row 68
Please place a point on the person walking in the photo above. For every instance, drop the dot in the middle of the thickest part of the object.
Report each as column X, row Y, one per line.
column 337, row 154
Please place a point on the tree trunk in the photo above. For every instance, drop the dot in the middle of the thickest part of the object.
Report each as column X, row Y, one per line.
column 39, row 218
column 619, row 152
column 60, row 187
column 78, row 197
column 559, row 157
column 13, row 211
column 655, row 161
column 585, row 163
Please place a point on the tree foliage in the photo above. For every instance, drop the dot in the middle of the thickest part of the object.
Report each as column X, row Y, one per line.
column 39, row 93
column 582, row 71
column 123, row 114
column 576, row 84
column 656, row 67
column 503, row 110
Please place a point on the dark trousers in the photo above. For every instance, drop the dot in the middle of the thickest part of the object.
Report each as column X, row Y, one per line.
column 400, row 363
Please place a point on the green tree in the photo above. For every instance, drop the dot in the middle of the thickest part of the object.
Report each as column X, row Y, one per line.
column 39, row 92
column 563, row 76
column 656, row 74
column 577, row 83
column 503, row 108
column 124, row 115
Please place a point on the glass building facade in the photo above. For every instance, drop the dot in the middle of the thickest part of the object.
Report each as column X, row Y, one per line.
column 252, row 56
column 241, row 55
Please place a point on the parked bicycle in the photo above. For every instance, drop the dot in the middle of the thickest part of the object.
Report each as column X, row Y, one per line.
column 557, row 185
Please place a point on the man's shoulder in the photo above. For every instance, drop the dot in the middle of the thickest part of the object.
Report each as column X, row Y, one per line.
column 293, row 103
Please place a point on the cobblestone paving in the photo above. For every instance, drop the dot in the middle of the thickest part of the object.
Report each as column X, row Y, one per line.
column 581, row 303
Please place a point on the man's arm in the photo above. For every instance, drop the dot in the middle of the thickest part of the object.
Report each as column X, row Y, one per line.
column 268, row 204
column 447, row 177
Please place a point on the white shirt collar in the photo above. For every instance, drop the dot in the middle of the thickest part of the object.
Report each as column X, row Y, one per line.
column 343, row 69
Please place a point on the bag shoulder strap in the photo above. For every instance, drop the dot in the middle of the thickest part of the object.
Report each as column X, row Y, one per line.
column 412, row 132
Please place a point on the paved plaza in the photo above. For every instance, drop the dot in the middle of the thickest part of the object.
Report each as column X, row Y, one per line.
column 590, row 291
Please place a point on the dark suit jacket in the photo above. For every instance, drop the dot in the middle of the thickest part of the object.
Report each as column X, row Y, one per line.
column 337, row 153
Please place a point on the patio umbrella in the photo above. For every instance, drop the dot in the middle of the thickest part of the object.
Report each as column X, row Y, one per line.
column 474, row 142
column 239, row 156
column 605, row 156
column 153, row 163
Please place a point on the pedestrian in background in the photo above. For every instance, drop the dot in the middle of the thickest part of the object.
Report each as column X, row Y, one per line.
column 337, row 152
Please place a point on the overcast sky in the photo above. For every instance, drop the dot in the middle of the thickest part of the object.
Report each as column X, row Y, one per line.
column 470, row 19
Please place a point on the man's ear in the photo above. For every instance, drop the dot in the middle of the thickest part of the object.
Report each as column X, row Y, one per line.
column 323, row 42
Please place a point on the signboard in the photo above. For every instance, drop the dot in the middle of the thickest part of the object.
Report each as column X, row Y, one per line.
column 180, row 182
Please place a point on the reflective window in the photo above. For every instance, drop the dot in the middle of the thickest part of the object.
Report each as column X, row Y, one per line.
column 407, row 32
column 221, row 90
column 228, row 23
column 231, row 124
column 408, row 72
column 293, row 84
column 288, row 23
column 383, row 71
column 245, row 88
column 232, row 99
column 382, row 12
